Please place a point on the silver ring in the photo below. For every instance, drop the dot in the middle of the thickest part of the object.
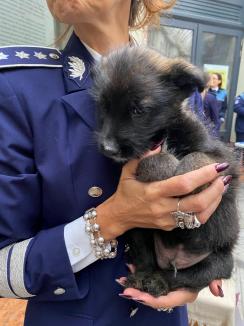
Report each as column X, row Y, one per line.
column 185, row 220
column 197, row 223
column 168, row 310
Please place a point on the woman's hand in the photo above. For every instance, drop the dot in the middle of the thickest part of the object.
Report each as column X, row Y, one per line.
column 149, row 205
column 173, row 299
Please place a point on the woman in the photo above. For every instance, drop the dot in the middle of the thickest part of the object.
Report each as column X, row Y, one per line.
column 51, row 173
column 216, row 89
column 211, row 109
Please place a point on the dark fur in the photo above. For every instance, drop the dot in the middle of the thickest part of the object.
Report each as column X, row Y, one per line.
column 140, row 98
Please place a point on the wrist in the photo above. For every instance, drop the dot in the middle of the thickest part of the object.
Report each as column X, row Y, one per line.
column 110, row 226
column 102, row 249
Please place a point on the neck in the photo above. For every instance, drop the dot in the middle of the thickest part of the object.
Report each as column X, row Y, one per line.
column 108, row 32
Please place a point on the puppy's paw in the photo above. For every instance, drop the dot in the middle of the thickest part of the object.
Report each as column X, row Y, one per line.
column 194, row 161
column 156, row 167
column 152, row 283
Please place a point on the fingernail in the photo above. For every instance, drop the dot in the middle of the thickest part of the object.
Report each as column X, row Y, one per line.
column 227, row 179
column 129, row 297
column 221, row 167
column 131, row 268
column 221, row 293
column 155, row 146
column 119, row 282
column 139, row 300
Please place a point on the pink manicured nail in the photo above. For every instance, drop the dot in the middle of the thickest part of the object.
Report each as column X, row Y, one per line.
column 227, row 180
column 131, row 268
column 221, row 167
column 221, row 293
column 120, row 282
column 129, row 297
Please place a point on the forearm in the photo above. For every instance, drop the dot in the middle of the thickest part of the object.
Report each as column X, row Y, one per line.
column 37, row 267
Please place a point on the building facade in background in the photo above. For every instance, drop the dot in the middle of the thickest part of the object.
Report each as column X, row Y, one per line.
column 208, row 33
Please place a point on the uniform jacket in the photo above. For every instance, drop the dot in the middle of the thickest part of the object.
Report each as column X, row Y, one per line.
column 196, row 105
column 211, row 111
column 48, row 162
column 221, row 96
column 239, row 109
column 206, row 110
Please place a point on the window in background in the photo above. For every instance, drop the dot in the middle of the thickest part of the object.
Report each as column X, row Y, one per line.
column 219, row 50
column 26, row 22
column 172, row 41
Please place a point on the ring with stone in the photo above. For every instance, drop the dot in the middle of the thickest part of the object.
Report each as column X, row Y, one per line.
column 162, row 309
column 185, row 220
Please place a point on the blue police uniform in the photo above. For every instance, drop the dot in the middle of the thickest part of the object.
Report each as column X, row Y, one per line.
column 211, row 111
column 221, row 97
column 48, row 162
column 196, row 105
column 239, row 109
column 206, row 110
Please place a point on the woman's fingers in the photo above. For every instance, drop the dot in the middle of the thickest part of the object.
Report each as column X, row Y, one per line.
column 202, row 216
column 184, row 184
column 207, row 213
column 130, row 168
column 216, row 288
column 173, row 299
column 201, row 201
column 152, row 152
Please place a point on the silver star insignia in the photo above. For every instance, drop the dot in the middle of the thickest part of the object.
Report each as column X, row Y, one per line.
column 40, row 55
column 22, row 55
column 3, row 56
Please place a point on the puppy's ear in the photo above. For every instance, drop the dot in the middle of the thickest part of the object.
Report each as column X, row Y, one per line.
column 183, row 75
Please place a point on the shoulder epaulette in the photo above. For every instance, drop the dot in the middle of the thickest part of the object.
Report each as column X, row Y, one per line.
column 29, row 56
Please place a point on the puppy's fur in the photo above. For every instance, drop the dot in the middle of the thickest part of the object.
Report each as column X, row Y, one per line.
column 140, row 98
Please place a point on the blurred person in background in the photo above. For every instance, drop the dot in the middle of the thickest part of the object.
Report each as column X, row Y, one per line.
column 211, row 109
column 220, row 93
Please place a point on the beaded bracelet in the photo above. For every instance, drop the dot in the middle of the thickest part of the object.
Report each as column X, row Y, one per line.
column 102, row 249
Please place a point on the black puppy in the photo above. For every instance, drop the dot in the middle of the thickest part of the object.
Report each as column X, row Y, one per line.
column 140, row 98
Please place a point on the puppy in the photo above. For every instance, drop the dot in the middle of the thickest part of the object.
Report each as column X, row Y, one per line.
column 141, row 103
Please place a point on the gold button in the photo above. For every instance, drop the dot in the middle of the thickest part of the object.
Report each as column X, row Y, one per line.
column 95, row 192
column 54, row 56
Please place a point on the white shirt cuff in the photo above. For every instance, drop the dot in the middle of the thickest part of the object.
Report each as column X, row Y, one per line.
column 78, row 245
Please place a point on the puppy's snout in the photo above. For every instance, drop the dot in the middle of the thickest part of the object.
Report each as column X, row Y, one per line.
column 110, row 148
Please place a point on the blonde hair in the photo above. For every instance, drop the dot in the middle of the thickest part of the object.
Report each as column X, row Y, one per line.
column 145, row 12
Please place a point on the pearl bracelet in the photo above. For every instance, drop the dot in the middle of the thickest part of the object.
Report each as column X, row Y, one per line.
column 102, row 249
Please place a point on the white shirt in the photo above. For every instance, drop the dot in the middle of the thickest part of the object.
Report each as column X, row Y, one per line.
column 76, row 240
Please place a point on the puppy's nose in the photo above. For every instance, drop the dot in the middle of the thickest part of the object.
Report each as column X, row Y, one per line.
column 110, row 147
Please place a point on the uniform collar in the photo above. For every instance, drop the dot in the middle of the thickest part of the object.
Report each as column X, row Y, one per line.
column 77, row 63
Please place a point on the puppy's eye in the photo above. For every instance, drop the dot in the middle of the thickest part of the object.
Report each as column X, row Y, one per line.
column 137, row 111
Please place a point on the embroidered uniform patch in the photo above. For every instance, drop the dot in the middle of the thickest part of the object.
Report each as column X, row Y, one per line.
column 77, row 69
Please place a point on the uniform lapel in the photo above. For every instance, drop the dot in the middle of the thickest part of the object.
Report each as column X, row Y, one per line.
column 77, row 63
